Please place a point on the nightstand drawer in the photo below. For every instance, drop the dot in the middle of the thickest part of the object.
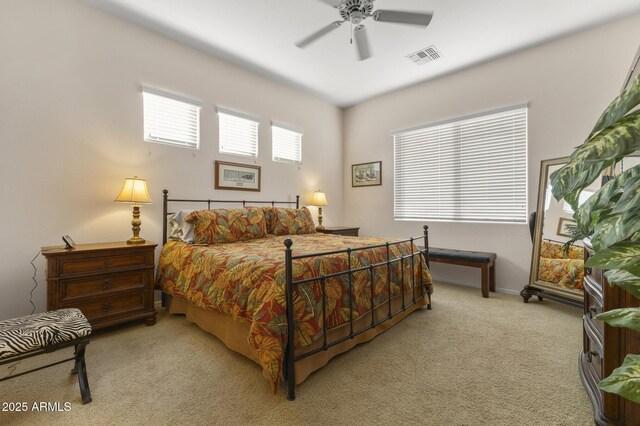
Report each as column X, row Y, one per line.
column 115, row 304
column 102, row 264
column 74, row 288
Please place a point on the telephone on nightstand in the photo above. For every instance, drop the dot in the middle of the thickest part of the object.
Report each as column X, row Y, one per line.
column 69, row 244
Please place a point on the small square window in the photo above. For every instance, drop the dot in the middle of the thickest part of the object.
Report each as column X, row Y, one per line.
column 170, row 119
column 286, row 144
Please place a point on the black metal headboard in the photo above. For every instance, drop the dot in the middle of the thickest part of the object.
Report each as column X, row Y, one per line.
column 166, row 200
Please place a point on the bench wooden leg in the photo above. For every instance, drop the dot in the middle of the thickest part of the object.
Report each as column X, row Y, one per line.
column 492, row 277
column 81, row 370
column 485, row 280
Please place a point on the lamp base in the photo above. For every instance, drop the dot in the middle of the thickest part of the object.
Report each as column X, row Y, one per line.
column 135, row 240
column 319, row 227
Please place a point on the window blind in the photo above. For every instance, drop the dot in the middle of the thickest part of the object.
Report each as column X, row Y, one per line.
column 469, row 169
column 170, row 119
column 238, row 133
column 286, row 143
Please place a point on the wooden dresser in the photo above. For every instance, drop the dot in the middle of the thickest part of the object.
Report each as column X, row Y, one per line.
column 604, row 348
column 110, row 283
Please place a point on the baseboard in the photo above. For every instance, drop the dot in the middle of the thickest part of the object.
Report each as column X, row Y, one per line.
column 498, row 289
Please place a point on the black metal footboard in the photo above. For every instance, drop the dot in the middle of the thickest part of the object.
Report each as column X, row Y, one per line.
column 290, row 357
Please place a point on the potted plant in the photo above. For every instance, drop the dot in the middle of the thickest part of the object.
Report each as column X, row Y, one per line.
column 611, row 217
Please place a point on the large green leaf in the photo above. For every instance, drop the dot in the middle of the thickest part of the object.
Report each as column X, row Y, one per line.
column 591, row 158
column 624, row 317
column 630, row 195
column 603, row 198
column 574, row 176
column 623, row 255
column 625, row 280
column 614, row 142
column 625, row 380
column 615, row 227
column 621, row 105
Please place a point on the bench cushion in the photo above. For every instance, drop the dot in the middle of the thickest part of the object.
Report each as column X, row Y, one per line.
column 468, row 256
column 39, row 331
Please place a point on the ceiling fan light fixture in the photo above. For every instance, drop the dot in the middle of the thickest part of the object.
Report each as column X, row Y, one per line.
column 356, row 11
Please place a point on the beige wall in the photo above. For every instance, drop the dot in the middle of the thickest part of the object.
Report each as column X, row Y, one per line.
column 567, row 83
column 71, row 131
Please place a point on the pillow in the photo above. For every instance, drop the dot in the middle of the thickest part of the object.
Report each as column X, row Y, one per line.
column 227, row 225
column 269, row 217
column 293, row 221
column 179, row 229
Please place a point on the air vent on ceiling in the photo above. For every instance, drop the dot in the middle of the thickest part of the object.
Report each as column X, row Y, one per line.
column 423, row 56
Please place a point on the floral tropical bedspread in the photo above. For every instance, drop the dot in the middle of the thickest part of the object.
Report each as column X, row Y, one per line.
column 246, row 280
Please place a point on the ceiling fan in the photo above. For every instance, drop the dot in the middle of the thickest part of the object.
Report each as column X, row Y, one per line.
column 356, row 11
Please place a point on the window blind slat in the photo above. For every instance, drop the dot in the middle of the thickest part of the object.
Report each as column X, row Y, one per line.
column 473, row 169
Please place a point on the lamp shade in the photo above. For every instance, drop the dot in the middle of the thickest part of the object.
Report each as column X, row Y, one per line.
column 319, row 199
column 134, row 191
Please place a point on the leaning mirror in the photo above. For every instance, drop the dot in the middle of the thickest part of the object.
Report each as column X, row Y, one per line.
column 555, row 273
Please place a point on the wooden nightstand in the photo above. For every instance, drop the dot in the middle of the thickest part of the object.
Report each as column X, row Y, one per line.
column 110, row 283
column 340, row 230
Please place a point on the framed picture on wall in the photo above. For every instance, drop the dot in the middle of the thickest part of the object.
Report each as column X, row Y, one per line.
column 234, row 176
column 366, row 174
column 563, row 225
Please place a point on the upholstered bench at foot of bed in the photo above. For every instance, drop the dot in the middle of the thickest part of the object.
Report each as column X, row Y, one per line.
column 33, row 335
column 476, row 259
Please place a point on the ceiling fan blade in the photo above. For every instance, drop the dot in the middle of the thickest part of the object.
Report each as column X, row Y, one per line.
column 322, row 31
column 399, row 17
column 332, row 3
column 362, row 42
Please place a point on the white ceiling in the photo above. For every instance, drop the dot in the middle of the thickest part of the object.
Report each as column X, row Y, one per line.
column 259, row 35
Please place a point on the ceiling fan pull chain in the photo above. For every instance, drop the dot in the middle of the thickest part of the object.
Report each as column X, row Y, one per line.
column 351, row 33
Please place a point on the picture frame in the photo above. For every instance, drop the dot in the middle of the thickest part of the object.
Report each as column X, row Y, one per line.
column 235, row 176
column 366, row 174
column 563, row 222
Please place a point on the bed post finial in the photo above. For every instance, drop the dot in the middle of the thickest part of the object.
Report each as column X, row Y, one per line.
column 426, row 244
column 289, row 360
column 297, row 201
column 165, row 196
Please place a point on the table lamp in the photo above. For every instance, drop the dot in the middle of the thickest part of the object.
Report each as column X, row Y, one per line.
column 134, row 191
column 319, row 199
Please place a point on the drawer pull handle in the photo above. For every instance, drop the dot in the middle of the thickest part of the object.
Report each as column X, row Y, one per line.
column 592, row 312
column 106, row 284
column 591, row 354
column 106, row 306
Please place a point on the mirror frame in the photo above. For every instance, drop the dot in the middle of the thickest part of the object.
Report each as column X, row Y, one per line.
column 542, row 288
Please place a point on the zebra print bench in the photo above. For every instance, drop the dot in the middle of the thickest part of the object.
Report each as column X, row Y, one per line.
column 33, row 335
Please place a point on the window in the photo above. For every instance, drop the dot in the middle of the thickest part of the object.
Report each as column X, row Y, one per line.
column 286, row 143
column 170, row 119
column 238, row 133
column 469, row 169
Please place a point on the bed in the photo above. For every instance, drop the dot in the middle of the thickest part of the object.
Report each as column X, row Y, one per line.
column 247, row 286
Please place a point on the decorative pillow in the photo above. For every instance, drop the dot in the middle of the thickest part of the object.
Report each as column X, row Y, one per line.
column 179, row 229
column 227, row 225
column 293, row 221
column 269, row 217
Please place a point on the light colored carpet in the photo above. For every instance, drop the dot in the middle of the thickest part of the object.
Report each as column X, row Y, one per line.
column 468, row 361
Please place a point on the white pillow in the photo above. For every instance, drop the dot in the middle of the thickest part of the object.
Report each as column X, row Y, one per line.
column 181, row 230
